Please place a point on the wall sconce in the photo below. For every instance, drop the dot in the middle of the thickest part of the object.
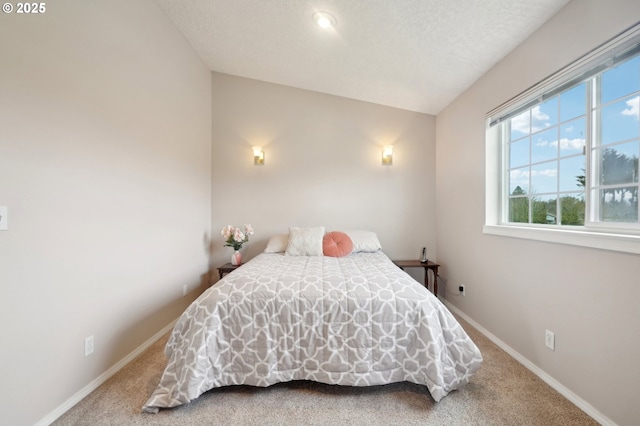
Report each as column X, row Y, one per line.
column 258, row 156
column 387, row 155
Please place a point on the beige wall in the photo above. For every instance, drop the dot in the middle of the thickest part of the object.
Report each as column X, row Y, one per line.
column 113, row 186
column 323, row 166
column 518, row 288
column 105, row 147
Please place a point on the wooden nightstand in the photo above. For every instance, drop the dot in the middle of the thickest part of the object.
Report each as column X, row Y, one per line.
column 426, row 265
column 226, row 268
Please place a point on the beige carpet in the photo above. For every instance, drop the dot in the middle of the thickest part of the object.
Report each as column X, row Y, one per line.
column 503, row 392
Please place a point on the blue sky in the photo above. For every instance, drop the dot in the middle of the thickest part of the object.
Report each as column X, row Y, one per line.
column 551, row 135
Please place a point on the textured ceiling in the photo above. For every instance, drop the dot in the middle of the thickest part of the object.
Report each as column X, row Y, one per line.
column 417, row 55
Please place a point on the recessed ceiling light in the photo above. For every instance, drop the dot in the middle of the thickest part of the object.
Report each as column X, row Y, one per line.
column 324, row 20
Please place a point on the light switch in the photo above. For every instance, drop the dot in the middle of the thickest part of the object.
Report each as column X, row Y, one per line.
column 4, row 223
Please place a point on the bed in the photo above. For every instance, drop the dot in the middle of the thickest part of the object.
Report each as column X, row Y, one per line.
column 356, row 320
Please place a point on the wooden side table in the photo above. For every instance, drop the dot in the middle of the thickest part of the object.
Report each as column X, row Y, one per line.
column 426, row 265
column 226, row 268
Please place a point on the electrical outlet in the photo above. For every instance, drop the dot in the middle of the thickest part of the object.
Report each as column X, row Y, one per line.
column 185, row 290
column 550, row 340
column 88, row 346
column 461, row 289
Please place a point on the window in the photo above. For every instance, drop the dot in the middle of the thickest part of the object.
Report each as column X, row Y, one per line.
column 545, row 148
column 616, row 144
column 566, row 152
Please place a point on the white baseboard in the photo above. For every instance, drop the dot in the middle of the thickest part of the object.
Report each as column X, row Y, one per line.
column 579, row 402
column 564, row 391
column 93, row 385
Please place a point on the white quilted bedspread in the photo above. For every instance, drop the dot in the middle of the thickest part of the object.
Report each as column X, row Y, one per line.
column 357, row 320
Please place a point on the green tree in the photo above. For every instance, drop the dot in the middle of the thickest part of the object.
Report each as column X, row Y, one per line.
column 519, row 206
column 539, row 211
column 572, row 211
column 620, row 204
column 581, row 179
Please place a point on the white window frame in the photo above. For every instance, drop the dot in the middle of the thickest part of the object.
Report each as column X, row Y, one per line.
column 599, row 235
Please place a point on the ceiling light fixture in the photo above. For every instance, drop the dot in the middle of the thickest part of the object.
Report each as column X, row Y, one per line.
column 324, row 20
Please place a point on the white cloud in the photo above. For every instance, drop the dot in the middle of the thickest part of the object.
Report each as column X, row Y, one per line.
column 633, row 108
column 565, row 143
column 520, row 123
column 545, row 172
column 522, row 175
column 519, row 175
column 539, row 121
column 575, row 144
column 572, row 144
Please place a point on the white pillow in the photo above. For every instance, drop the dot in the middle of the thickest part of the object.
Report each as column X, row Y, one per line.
column 305, row 241
column 277, row 243
column 364, row 241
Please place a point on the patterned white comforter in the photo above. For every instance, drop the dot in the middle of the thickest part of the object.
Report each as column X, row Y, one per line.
column 357, row 320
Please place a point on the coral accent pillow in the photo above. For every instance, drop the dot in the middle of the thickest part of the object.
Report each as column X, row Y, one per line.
column 336, row 244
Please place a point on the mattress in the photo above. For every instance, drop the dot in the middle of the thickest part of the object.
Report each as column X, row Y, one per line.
column 357, row 320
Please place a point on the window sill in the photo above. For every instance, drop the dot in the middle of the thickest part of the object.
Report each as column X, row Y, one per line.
column 599, row 240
